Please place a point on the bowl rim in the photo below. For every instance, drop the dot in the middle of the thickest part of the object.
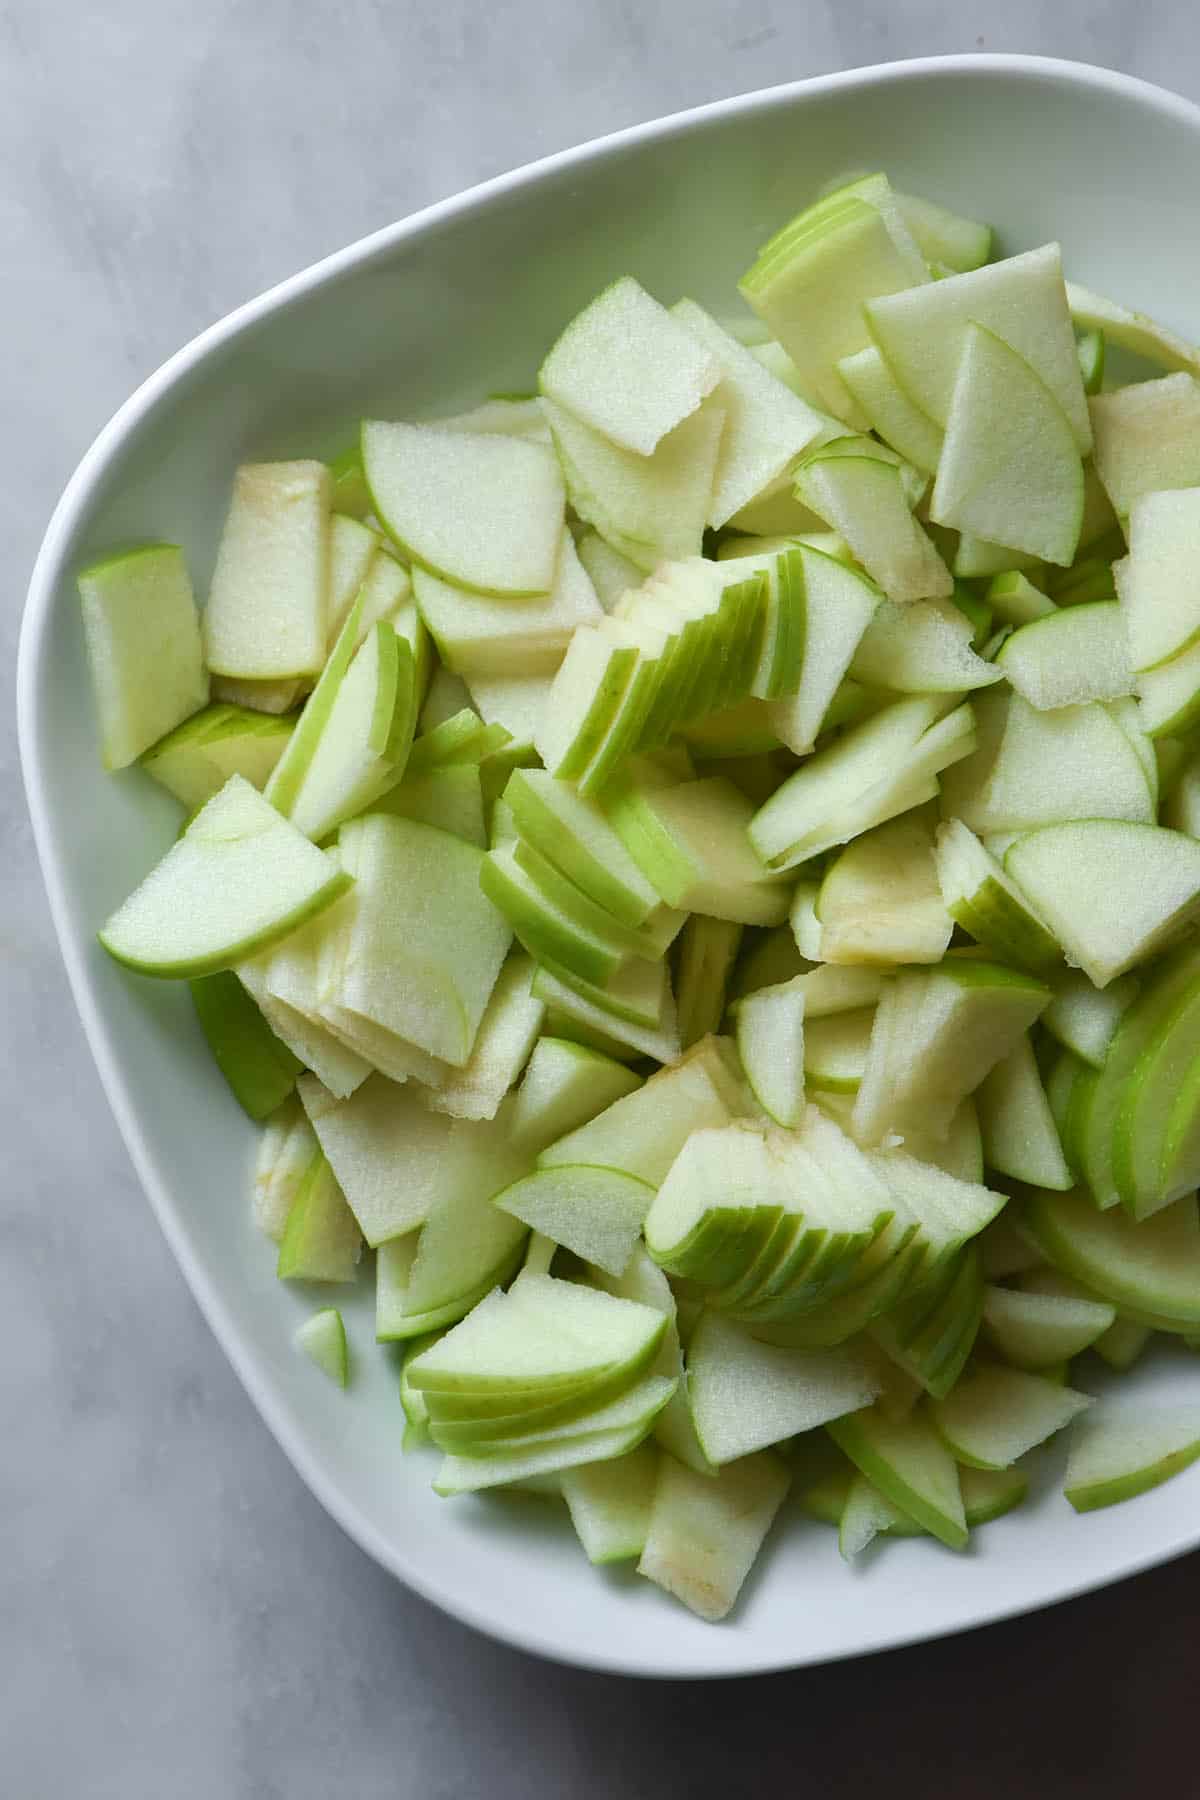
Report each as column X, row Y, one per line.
column 48, row 571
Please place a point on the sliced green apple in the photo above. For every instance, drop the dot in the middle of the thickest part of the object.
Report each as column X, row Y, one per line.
column 995, row 1415
column 322, row 1338
column 745, row 1395
column 143, row 644
column 1119, row 1451
column 267, row 616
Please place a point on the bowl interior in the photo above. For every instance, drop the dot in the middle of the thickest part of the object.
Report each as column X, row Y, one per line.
column 427, row 318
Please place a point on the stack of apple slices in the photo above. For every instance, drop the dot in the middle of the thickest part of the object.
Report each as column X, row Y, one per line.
column 698, row 871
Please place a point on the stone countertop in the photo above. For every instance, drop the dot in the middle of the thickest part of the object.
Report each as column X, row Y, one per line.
column 178, row 1617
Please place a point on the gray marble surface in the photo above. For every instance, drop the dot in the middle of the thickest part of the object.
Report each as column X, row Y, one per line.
column 178, row 1618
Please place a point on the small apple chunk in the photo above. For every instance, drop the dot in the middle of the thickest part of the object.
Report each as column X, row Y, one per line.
column 323, row 1340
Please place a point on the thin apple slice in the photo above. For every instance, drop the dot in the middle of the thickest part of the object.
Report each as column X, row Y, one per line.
column 1169, row 696
column 611, row 574
column 690, row 842
column 1010, row 468
column 891, row 413
column 260, row 1069
column 285, row 1152
column 643, row 1131
column 630, row 369
column 1133, row 331
column 238, row 879
column 705, row 1531
column 143, row 644
column 866, row 1513
column 449, row 796
column 1078, row 654
column 838, row 605
column 597, row 1213
column 908, row 1463
column 945, row 237
column 1033, row 768
column 1085, row 1017
column 1015, row 600
column 981, row 898
column 1147, row 439
column 1113, row 892
column 1147, row 1267
column 931, row 1334
column 863, row 498
column 574, row 834
column 646, row 507
column 1119, row 1451
column 1155, row 583
column 766, row 424
column 578, row 1014
column 293, row 1012
column 267, row 616
column 508, row 1032
column 810, row 280
column 543, row 927
column 353, row 548
column 321, row 1241
column 746, row 1396
column 995, row 1415
column 477, row 634
column 482, row 512
column 1021, row 300
column 770, row 1040
column 1019, row 1135
column 921, row 648
column 610, row 1504
column 832, row 990
column 194, row 761
column 1122, row 1344
column 874, row 771
column 937, row 1033
column 707, row 952
column 564, row 1086
column 322, row 1338
column 879, row 900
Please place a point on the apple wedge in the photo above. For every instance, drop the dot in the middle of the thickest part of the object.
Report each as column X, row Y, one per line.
column 143, row 645
column 507, row 1034
column 267, row 616
column 322, row 1338
column 1112, row 892
column 1119, row 1451
column 238, row 879
column 482, row 512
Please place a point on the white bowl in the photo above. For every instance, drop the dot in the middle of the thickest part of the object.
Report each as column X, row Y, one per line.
column 428, row 316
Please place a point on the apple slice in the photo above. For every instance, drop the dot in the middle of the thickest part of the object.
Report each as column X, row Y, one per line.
column 1169, row 695
column 506, row 1037
column 630, row 369
column 910, row 1466
column 936, row 1034
column 1033, row 768
column 1022, row 300
column 865, row 1514
column 1154, row 583
column 690, row 842
column 480, row 635
column 239, row 878
column 646, row 507
column 353, row 547
column 746, row 1396
column 597, row 1213
column 770, row 1041
column 321, row 1241
column 943, row 236
column 267, row 616
column 286, row 1149
column 143, row 645
column 578, row 1012
column 1010, row 469
column 891, row 413
column 642, row 1132
column 707, row 952
column 811, row 278
column 874, row 771
column 879, row 900
column 573, row 833
column 995, row 1415
column 1113, row 892
column 1146, row 1267
column 832, row 990
column 1119, row 1451
column 1019, row 1134
column 292, row 966
column 322, row 1338
column 468, row 1475
column 1122, row 1344
column 1085, row 1017
column 610, row 1504
column 1133, row 331
column 1015, row 600
column 482, row 512
column 421, row 970
column 766, row 424
column 261, row 1071
column 611, row 574
column 838, row 605
column 564, row 1086
column 1147, row 438
column 863, row 498
column 705, row 1531
column 981, row 898
column 194, row 761
column 450, row 797
column 543, row 927
column 931, row 1334
column 1069, row 657
column 921, row 648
